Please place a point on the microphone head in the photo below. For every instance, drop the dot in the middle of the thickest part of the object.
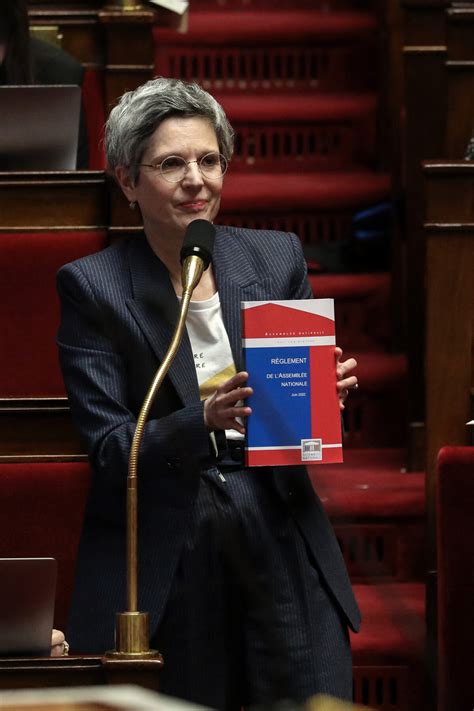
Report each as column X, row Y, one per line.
column 199, row 241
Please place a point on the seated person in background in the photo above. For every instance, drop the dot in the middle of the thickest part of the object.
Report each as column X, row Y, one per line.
column 26, row 60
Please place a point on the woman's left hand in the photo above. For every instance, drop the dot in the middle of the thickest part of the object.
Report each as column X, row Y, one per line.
column 345, row 381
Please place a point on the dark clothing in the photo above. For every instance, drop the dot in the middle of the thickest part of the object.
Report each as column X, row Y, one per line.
column 52, row 65
column 119, row 309
column 259, row 617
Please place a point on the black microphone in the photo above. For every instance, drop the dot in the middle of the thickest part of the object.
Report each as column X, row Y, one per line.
column 199, row 241
column 196, row 254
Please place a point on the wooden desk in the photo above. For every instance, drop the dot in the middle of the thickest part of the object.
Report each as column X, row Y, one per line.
column 41, row 672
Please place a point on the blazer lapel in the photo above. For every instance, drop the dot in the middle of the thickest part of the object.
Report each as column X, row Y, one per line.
column 235, row 278
column 155, row 308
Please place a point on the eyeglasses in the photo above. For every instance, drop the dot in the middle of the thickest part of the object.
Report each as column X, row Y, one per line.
column 174, row 168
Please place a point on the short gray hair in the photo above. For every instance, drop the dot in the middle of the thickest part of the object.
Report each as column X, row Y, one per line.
column 139, row 113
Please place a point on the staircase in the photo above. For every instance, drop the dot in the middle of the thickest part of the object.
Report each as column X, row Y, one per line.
column 298, row 80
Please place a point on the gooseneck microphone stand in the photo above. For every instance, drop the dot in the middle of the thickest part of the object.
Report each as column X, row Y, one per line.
column 131, row 630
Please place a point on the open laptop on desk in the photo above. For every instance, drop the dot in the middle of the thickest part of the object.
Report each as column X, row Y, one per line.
column 27, row 593
column 39, row 127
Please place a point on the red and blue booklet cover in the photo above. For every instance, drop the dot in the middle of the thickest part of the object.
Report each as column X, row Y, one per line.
column 289, row 355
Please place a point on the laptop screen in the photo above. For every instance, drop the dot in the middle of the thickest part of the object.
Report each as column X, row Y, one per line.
column 27, row 594
column 39, row 127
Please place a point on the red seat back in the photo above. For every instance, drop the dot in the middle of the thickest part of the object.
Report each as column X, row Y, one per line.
column 29, row 307
column 455, row 517
column 41, row 512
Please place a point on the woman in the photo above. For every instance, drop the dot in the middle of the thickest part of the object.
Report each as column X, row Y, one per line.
column 248, row 596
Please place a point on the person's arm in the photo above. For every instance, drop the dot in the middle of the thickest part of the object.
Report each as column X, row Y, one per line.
column 96, row 374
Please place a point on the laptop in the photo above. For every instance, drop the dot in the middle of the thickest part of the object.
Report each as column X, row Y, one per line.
column 39, row 127
column 27, row 593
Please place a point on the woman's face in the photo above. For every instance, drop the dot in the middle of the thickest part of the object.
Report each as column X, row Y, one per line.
column 168, row 208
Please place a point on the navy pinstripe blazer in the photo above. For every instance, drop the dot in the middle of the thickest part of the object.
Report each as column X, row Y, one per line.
column 118, row 315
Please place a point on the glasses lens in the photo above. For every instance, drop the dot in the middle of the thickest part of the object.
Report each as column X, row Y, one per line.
column 213, row 165
column 173, row 169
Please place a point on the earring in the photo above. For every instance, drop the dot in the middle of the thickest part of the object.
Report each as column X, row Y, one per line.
column 132, row 205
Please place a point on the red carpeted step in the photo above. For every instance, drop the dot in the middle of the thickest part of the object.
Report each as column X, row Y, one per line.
column 362, row 305
column 380, row 372
column 257, row 107
column 290, row 51
column 371, row 483
column 375, row 415
column 302, row 191
column 258, row 5
column 241, row 27
column 393, row 626
column 318, row 207
column 388, row 652
column 312, row 131
column 378, row 513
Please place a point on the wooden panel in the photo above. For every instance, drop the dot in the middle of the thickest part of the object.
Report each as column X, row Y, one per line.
column 460, row 31
column 41, row 427
column 53, row 200
column 424, row 22
column 450, row 305
column 449, row 232
column 460, row 67
column 449, row 192
column 424, row 139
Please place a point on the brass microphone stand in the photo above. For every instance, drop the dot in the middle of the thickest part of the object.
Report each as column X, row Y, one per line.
column 131, row 628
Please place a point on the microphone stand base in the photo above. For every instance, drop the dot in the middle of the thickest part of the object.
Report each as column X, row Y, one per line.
column 132, row 637
column 133, row 656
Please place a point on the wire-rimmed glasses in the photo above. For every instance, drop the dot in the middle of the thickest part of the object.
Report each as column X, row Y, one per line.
column 174, row 168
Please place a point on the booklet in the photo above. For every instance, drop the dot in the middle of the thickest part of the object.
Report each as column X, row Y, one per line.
column 289, row 355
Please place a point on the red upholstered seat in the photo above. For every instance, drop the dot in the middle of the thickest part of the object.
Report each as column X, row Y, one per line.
column 41, row 512
column 29, row 307
column 455, row 538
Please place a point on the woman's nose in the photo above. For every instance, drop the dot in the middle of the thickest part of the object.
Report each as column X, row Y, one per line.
column 193, row 175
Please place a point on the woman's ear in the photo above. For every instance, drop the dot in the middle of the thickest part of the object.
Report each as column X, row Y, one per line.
column 126, row 183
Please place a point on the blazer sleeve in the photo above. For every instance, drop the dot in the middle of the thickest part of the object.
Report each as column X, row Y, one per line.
column 300, row 287
column 97, row 384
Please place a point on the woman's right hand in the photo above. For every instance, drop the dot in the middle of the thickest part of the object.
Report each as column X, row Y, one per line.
column 221, row 409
